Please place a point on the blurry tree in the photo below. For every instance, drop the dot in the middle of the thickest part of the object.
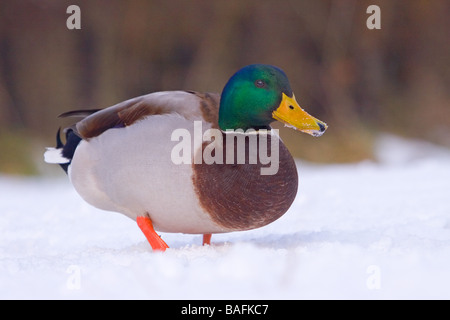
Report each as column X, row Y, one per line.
column 359, row 81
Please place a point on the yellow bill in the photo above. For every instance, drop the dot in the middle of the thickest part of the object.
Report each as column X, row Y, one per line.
column 292, row 115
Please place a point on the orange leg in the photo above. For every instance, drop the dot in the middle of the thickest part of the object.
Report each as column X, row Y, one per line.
column 207, row 239
column 153, row 238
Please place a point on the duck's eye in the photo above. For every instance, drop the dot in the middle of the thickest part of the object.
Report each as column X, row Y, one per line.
column 260, row 83
column 291, row 107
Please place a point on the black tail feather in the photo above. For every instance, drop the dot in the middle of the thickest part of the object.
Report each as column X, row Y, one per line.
column 68, row 149
column 59, row 144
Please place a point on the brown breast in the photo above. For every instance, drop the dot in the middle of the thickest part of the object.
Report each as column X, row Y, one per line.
column 238, row 196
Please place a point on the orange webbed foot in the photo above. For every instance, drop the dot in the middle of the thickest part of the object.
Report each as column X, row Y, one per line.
column 145, row 224
column 207, row 239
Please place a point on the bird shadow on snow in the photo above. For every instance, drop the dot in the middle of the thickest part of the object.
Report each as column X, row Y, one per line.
column 280, row 241
column 296, row 239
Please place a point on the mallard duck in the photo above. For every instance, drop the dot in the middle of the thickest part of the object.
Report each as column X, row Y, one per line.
column 132, row 157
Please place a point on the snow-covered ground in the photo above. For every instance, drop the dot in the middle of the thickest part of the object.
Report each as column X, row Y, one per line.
column 360, row 231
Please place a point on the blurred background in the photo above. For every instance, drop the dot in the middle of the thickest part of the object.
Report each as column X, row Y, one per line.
column 361, row 82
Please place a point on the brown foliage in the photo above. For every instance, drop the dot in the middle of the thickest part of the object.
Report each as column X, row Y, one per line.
column 357, row 80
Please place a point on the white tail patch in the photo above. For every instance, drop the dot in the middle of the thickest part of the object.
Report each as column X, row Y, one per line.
column 53, row 155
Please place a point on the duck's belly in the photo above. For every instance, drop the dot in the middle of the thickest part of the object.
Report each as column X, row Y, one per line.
column 130, row 170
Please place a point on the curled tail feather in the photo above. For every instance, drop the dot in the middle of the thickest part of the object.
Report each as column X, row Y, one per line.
column 63, row 153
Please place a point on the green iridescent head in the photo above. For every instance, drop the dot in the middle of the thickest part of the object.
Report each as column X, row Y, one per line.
column 257, row 95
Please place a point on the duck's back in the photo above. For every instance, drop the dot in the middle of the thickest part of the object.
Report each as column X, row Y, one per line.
column 127, row 167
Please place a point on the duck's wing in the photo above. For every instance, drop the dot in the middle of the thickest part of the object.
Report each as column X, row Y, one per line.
column 189, row 104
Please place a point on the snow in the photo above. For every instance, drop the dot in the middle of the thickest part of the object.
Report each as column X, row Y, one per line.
column 371, row 230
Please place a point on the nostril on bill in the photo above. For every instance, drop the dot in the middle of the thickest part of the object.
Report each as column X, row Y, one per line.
column 322, row 127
